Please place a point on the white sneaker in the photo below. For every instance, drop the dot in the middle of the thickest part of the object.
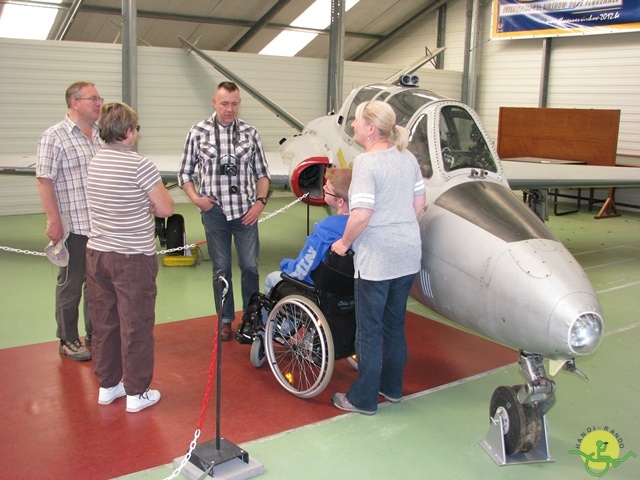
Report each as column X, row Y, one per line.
column 135, row 403
column 108, row 395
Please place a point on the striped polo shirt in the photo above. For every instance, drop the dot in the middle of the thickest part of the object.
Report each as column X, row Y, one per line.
column 118, row 183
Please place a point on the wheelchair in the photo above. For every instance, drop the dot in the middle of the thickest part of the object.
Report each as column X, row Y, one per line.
column 308, row 326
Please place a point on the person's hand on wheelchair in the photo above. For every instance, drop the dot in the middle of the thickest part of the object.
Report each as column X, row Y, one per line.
column 340, row 247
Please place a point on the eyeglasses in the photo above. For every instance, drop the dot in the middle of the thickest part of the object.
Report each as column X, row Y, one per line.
column 93, row 99
column 137, row 128
column 329, row 193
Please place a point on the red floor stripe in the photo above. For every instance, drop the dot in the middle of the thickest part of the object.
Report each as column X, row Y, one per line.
column 52, row 425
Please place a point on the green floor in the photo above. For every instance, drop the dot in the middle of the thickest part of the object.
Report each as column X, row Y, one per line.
column 433, row 434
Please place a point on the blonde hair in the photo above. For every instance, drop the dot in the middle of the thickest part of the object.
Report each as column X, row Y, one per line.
column 381, row 115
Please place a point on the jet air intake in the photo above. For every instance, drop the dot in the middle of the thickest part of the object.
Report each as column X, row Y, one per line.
column 307, row 177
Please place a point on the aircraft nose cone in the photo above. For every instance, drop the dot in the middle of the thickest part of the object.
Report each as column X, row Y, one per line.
column 576, row 325
column 585, row 333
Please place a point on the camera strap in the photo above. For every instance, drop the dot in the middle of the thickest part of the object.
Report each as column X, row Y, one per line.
column 234, row 137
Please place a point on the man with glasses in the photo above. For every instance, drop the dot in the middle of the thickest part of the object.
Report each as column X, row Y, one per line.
column 225, row 155
column 64, row 151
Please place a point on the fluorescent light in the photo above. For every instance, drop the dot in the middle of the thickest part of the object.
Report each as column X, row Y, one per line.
column 288, row 43
column 27, row 22
column 318, row 16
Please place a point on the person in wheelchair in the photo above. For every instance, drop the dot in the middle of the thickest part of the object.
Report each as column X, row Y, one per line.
column 314, row 251
column 325, row 232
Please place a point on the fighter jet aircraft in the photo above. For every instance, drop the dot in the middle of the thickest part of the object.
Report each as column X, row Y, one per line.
column 489, row 263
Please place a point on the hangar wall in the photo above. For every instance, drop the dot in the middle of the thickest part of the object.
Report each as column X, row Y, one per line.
column 409, row 44
column 589, row 71
column 174, row 92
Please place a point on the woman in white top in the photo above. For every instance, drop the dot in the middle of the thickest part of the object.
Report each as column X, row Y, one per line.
column 386, row 196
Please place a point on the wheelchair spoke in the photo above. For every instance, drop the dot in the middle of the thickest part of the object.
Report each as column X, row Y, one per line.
column 298, row 346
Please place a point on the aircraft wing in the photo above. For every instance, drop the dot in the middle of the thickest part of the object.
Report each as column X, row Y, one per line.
column 525, row 173
column 26, row 165
column 168, row 166
column 18, row 164
column 522, row 173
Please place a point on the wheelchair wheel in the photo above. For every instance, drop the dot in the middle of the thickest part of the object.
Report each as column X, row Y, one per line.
column 257, row 352
column 299, row 346
column 352, row 360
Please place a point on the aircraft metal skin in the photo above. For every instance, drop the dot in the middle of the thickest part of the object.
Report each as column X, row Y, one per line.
column 489, row 263
column 524, row 293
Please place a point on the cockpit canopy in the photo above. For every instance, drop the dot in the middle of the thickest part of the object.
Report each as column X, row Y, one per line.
column 458, row 138
column 405, row 102
column 459, row 141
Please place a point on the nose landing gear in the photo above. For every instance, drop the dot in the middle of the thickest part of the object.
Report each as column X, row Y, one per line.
column 517, row 415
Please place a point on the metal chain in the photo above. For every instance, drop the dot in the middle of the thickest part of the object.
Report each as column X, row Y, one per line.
column 177, row 249
column 277, row 212
column 26, row 252
column 186, row 458
column 192, row 445
column 169, row 250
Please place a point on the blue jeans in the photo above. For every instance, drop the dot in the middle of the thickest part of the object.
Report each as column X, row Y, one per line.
column 271, row 281
column 219, row 231
column 381, row 345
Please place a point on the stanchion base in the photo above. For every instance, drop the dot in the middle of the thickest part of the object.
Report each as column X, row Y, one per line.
column 494, row 445
column 229, row 462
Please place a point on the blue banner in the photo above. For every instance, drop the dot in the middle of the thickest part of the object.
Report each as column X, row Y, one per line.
column 546, row 18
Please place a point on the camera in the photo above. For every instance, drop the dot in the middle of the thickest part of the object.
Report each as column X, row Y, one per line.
column 230, row 169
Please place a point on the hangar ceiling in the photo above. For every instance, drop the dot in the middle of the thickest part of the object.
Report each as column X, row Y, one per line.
column 232, row 25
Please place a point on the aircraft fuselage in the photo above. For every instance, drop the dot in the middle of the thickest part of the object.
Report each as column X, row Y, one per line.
column 489, row 263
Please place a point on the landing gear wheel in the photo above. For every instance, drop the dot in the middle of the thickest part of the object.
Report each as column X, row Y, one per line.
column 299, row 346
column 522, row 424
column 161, row 232
column 257, row 352
column 174, row 233
column 533, row 424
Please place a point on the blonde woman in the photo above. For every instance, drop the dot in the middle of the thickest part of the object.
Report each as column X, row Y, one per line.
column 386, row 196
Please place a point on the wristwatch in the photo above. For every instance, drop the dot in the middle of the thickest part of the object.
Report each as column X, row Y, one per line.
column 263, row 200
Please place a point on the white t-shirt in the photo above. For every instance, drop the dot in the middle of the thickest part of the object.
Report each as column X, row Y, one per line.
column 387, row 182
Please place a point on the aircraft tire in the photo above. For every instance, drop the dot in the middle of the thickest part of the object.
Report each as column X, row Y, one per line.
column 533, row 425
column 161, row 231
column 522, row 424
